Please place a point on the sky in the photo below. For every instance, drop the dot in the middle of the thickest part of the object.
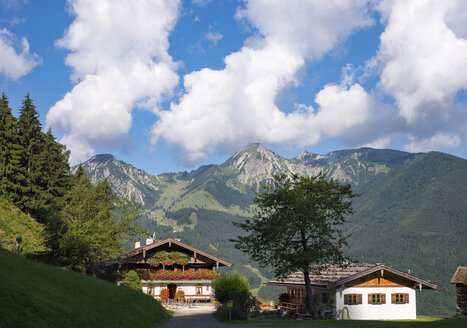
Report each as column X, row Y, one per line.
column 169, row 85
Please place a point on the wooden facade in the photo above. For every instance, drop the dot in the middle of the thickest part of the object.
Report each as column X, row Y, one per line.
column 193, row 277
column 460, row 280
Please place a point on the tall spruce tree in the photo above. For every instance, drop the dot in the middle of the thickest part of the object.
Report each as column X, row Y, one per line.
column 56, row 176
column 9, row 152
column 33, row 159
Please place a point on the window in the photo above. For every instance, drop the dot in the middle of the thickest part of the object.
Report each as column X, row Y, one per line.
column 376, row 298
column 352, row 299
column 199, row 290
column 399, row 298
column 150, row 291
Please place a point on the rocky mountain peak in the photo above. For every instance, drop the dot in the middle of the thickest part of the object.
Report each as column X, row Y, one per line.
column 101, row 158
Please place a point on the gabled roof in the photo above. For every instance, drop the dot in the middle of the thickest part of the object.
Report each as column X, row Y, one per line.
column 334, row 276
column 187, row 249
column 460, row 276
column 330, row 274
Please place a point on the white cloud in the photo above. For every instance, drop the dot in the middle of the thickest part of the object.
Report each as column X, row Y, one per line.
column 423, row 60
column 15, row 60
column 119, row 56
column 437, row 141
column 230, row 107
column 213, row 36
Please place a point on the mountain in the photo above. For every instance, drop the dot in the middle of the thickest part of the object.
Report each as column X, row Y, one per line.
column 126, row 179
column 411, row 212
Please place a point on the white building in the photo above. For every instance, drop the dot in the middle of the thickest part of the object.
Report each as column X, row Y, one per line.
column 359, row 291
column 185, row 269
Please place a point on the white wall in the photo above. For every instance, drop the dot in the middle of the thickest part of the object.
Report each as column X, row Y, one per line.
column 386, row 311
column 188, row 288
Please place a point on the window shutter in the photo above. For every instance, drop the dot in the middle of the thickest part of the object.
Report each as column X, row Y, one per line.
column 370, row 299
column 383, row 298
column 359, row 298
column 406, row 298
column 393, row 298
column 346, row 299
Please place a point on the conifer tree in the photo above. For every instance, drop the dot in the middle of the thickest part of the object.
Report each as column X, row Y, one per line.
column 56, row 177
column 9, row 153
column 33, row 159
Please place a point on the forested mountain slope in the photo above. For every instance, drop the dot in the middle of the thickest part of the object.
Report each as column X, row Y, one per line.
column 410, row 214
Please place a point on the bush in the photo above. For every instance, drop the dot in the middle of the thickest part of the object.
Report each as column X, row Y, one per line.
column 234, row 287
column 132, row 281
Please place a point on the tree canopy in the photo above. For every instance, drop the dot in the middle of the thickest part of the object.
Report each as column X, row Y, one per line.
column 297, row 226
column 93, row 223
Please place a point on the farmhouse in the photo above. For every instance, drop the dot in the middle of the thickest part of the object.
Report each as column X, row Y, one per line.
column 173, row 265
column 460, row 280
column 359, row 291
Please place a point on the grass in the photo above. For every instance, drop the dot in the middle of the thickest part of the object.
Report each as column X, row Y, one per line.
column 421, row 322
column 14, row 223
column 39, row 295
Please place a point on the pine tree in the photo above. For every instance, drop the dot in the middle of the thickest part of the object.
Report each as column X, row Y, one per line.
column 56, row 177
column 9, row 154
column 33, row 159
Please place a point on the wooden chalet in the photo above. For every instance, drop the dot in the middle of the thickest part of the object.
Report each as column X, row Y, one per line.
column 460, row 280
column 358, row 291
column 191, row 272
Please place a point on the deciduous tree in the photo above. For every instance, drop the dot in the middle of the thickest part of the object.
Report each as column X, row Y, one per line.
column 297, row 226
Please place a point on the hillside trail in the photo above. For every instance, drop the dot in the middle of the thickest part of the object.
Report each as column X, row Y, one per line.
column 201, row 317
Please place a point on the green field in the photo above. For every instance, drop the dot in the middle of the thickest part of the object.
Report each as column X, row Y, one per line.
column 38, row 295
column 421, row 322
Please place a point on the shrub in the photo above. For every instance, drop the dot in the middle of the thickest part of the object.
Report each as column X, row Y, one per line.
column 234, row 287
column 132, row 281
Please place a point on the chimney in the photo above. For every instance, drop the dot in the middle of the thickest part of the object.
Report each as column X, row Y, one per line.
column 149, row 241
column 137, row 244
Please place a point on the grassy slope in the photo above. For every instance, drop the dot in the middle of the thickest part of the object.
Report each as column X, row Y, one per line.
column 421, row 322
column 14, row 223
column 38, row 295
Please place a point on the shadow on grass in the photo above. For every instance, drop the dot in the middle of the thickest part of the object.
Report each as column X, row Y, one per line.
column 429, row 322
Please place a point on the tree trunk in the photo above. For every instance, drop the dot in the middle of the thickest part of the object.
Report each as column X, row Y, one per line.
column 309, row 297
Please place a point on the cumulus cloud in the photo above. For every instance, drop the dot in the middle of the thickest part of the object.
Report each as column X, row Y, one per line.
column 422, row 57
column 119, row 58
column 15, row 60
column 437, row 141
column 230, row 107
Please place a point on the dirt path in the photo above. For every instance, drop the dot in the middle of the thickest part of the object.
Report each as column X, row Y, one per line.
column 201, row 316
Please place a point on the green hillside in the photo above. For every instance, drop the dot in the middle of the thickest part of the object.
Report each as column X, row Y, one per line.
column 14, row 223
column 39, row 295
column 416, row 220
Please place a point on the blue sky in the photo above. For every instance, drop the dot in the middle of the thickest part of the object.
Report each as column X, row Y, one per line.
column 171, row 85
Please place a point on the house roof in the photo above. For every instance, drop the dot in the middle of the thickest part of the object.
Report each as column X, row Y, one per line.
column 334, row 276
column 189, row 250
column 460, row 276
